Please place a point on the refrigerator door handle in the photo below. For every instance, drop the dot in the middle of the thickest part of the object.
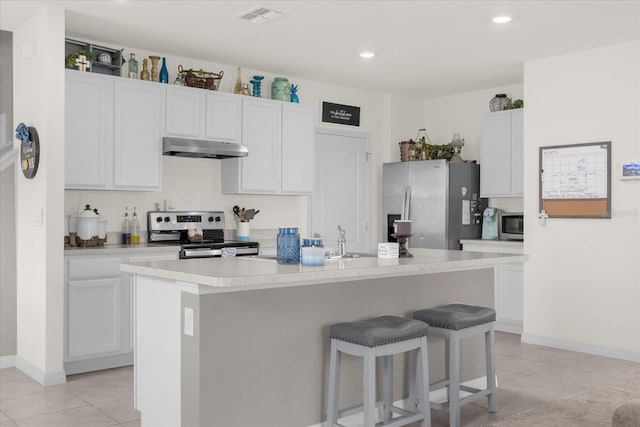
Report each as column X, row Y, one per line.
column 406, row 203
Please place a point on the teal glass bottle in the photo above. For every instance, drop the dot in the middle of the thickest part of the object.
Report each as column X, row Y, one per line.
column 164, row 74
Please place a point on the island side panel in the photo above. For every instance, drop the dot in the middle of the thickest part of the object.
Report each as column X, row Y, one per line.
column 157, row 356
column 263, row 355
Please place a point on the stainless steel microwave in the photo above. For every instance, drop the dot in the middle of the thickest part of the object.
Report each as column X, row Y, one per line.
column 512, row 226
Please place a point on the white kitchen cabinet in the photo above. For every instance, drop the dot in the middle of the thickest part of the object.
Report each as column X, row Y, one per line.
column 137, row 145
column 508, row 282
column 298, row 149
column 88, row 137
column 200, row 114
column 97, row 314
column 112, row 134
column 501, row 154
column 280, row 140
column 99, row 302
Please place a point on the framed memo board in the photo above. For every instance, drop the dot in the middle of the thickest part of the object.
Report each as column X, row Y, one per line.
column 575, row 180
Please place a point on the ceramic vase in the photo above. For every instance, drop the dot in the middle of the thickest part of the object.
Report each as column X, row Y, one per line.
column 280, row 89
column 154, row 67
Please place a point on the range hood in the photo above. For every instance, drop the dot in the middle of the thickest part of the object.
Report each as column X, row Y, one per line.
column 200, row 148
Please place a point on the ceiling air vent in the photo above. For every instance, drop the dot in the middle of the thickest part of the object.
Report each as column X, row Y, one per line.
column 259, row 14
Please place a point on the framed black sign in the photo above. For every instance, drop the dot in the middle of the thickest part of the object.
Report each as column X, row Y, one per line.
column 340, row 114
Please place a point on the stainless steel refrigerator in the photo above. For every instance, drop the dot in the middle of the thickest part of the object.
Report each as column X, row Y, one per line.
column 442, row 200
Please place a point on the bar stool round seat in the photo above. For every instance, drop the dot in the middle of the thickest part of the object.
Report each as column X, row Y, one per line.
column 383, row 337
column 455, row 322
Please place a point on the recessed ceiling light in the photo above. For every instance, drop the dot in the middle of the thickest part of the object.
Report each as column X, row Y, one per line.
column 501, row 19
column 367, row 54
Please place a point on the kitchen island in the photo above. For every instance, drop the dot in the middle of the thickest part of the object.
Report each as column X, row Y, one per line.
column 244, row 341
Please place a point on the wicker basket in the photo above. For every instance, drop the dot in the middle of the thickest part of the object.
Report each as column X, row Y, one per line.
column 200, row 79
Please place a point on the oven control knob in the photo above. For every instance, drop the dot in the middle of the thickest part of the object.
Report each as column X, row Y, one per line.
column 218, row 219
column 210, row 219
column 167, row 219
column 159, row 219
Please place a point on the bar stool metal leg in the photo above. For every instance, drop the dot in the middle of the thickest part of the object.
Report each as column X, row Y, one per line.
column 454, row 379
column 387, row 387
column 489, row 341
column 334, row 385
column 369, row 384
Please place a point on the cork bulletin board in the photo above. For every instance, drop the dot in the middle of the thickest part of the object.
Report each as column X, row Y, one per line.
column 575, row 180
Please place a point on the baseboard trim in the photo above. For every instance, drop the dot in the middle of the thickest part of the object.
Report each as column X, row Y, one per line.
column 581, row 347
column 438, row 396
column 507, row 326
column 8, row 361
column 98, row 363
column 44, row 378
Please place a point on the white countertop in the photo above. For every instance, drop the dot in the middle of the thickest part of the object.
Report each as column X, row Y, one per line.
column 249, row 273
column 120, row 249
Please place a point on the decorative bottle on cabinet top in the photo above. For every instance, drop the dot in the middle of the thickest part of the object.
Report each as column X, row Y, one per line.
column 133, row 67
column 164, row 74
column 144, row 74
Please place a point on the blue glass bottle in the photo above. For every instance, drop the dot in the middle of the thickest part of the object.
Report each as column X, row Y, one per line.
column 288, row 246
column 164, row 74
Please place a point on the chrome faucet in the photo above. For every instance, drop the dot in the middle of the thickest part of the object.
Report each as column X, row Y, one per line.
column 342, row 242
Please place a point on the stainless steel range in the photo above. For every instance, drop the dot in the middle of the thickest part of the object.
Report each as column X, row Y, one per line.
column 200, row 234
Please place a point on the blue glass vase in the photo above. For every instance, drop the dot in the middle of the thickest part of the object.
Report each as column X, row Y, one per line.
column 288, row 246
column 164, row 74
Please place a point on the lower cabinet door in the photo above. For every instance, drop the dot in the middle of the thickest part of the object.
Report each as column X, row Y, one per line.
column 94, row 310
column 509, row 288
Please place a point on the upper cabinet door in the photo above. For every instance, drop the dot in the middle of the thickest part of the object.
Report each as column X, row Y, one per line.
column 137, row 142
column 495, row 155
column 261, row 129
column 517, row 152
column 298, row 148
column 223, row 121
column 184, row 115
column 88, row 131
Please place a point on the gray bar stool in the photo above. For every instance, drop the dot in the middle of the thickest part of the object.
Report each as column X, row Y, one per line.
column 455, row 322
column 383, row 337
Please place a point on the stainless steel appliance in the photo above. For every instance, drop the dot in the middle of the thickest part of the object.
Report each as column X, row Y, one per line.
column 199, row 148
column 439, row 197
column 200, row 234
column 512, row 226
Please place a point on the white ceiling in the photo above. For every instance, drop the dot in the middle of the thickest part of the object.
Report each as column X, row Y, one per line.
column 423, row 48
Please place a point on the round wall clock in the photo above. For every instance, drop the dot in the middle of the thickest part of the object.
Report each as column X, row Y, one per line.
column 30, row 153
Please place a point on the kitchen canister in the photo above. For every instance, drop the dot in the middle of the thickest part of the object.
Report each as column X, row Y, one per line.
column 242, row 232
column 288, row 246
column 280, row 89
column 312, row 252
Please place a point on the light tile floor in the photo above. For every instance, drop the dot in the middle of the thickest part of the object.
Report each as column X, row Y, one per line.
column 528, row 375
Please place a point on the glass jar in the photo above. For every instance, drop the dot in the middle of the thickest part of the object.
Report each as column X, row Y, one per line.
column 288, row 246
column 280, row 89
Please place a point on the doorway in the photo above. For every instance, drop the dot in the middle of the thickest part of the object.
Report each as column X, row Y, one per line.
column 342, row 188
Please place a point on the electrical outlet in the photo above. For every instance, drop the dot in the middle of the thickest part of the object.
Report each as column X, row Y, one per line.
column 188, row 321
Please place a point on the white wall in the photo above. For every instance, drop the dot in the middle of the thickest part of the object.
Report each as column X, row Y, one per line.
column 39, row 93
column 582, row 282
column 195, row 183
column 7, row 212
column 460, row 113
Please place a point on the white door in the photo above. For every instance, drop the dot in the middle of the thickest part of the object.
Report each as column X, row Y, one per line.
column 342, row 194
